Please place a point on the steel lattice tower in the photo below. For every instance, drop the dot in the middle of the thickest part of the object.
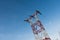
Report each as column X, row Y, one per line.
column 37, row 27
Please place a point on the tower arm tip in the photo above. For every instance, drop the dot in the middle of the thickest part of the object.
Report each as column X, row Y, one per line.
column 38, row 12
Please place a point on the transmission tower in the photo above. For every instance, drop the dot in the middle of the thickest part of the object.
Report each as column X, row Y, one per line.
column 37, row 27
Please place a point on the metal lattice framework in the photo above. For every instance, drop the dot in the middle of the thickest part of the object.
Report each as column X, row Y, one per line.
column 37, row 27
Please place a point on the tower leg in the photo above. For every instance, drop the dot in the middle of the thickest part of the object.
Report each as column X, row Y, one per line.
column 37, row 37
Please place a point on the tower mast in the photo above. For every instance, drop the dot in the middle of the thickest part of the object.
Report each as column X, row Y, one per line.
column 37, row 27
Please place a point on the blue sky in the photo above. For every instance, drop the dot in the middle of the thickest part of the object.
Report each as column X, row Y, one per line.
column 13, row 13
